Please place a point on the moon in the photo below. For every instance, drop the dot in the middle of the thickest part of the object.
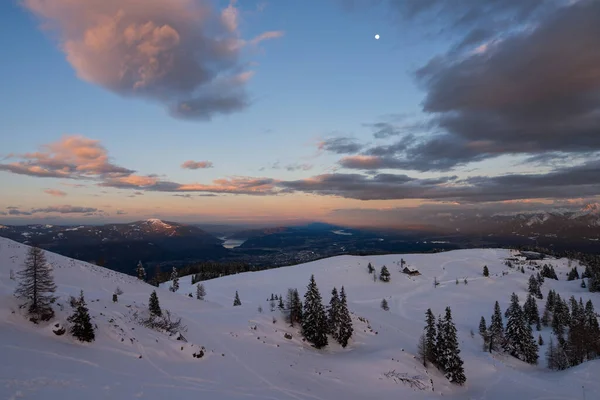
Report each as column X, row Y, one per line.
column 377, row 37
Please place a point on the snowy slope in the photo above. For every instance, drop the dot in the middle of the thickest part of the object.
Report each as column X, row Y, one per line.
column 246, row 363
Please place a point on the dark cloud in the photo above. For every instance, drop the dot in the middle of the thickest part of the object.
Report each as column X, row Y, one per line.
column 340, row 145
column 577, row 181
column 14, row 211
column 534, row 91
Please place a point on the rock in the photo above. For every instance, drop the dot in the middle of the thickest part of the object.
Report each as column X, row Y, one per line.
column 198, row 354
column 288, row 336
column 59, row 330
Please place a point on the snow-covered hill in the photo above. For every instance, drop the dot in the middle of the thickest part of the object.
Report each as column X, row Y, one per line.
column 246, row 354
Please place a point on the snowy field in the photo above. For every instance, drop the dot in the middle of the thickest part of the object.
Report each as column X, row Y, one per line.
column 246, row 354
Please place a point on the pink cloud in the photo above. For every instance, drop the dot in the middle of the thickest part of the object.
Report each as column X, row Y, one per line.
column 54, row 192
column 196, row 164
column 177, row 52
column 71, row 157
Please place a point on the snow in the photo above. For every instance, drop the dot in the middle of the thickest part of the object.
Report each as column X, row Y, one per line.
column 158, row 223
column 241, row 362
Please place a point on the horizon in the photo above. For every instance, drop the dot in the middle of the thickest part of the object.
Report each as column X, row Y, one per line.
column 247, row 114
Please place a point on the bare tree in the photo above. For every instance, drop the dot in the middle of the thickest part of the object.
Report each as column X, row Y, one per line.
column 36, row 286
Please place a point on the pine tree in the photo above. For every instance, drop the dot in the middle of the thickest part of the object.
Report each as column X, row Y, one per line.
column 280, row 305
column 175, row 278
column 483, row 328
column 314, row 319
column 440, row 343
column 449, row 354
column 592, row 331
column 200, row 291
column 346, row 329
column 573, row 274
column 530, row 309
column 236, row 300
column 431, row 337
column 370, row 268
column 82, row 327
column 293, row 307
column 153, row 305
column 559, row 317
column 334, row 314
column 534, row 286
column 141, row 271
column 36, row 286
column 486, row 271
column 583, row 286
column 496, row 330
column 540, row 279
column 519, row 337
column 384, row 275
column 577, row 345
column 115, row 298
column 540, row 340
column 384, row 305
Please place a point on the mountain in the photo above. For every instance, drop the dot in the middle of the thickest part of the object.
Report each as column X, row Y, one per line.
column 121, row 246
column 245, row 352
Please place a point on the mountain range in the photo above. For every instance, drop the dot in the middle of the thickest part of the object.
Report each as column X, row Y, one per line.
column 165, row 243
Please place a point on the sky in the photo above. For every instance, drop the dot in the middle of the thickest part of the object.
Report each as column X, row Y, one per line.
column 282, row 111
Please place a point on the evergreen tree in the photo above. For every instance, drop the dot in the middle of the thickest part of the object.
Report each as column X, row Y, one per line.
column 586, row 272
column 522, row 270
column 334, row 314
column 534, row 287
column 314, row 319
column 175, row 278
column 440, row 343
column 532, row 315
column 200, row 291
column 449, row 355
column 540, row 340
column 583, row 286
column 141, row 271
column 384, row 305
column 519, row 337
column 293, row 307
column 592, row 330
column 36, row 286
column 540, row 279
column 236, row 300
column 573, row 274
column 153, row 305
column 384, row 275
column 81, row 327
column 594, row 282
column 115, row 298
column 346, row 329
column 483, row 328
column 486, row 271
column 280, row 305
column 576, row 347
column 370, row 268
column 496, row 330
column 431, row 336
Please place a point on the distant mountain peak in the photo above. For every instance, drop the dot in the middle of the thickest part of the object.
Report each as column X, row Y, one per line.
column 591, row 208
